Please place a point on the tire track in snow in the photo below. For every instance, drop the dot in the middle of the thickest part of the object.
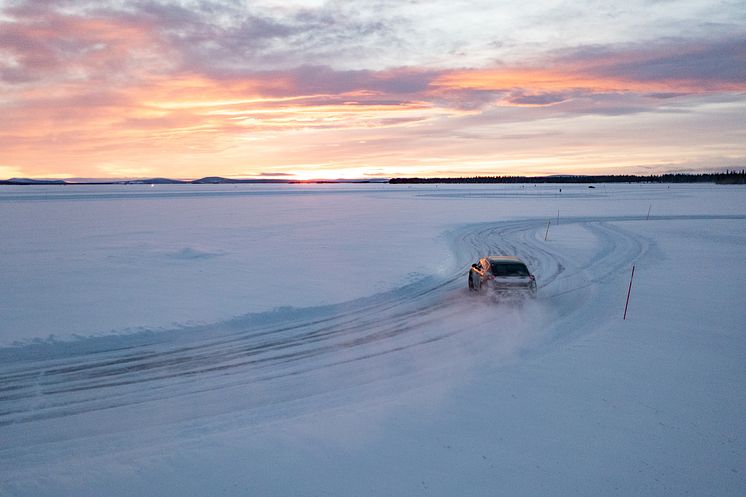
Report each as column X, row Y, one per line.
column 93, row 375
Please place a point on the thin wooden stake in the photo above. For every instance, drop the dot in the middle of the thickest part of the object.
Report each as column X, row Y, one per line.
column 546, row 233
column 648, row 216
column 629, row 290
column 557, row 217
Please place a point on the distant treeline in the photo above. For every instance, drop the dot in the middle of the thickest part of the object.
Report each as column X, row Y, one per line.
column 726, row 178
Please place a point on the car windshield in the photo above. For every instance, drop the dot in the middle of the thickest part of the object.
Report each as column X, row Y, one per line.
column 508, row 269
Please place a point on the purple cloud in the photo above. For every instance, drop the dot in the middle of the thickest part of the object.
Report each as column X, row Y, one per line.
column 708, row 63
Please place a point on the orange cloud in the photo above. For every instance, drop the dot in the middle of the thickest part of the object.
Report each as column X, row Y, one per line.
column 570, row 79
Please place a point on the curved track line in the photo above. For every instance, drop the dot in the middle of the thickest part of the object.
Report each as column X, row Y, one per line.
column 277, row 353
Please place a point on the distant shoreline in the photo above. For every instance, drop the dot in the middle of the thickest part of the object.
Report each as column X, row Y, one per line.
column 168, row 181
column 724, row 178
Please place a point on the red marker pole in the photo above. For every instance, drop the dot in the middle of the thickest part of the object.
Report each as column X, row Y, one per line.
column 629, row 290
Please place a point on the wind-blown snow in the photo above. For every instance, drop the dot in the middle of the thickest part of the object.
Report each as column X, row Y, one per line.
column 320, row 340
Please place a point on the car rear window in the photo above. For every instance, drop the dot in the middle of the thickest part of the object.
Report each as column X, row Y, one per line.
column 508, row 269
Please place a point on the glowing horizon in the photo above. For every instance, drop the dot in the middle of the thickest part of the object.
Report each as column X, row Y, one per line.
column 97, row 90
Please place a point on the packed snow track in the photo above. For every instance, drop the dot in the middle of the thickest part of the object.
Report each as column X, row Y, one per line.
column 277, row 362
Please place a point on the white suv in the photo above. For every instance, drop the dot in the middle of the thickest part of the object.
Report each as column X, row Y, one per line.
column 506, row 276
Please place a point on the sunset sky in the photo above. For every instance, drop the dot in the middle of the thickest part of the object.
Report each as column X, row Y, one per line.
column 354, row 89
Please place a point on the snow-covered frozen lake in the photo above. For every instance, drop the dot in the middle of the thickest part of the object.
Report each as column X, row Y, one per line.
column 287, row 340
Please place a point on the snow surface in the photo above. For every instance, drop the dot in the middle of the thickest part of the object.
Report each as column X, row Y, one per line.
column 319, row 340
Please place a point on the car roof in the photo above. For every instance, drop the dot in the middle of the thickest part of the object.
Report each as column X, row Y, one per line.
column 503, row 258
